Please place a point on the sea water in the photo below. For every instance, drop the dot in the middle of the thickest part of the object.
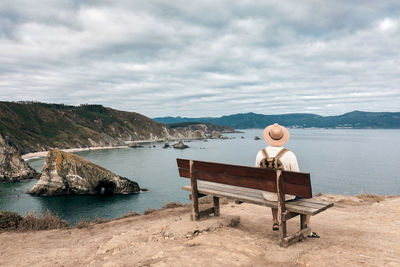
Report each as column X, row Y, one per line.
column 341, row 161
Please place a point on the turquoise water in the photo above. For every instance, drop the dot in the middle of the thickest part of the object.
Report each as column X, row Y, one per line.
column 342, row 161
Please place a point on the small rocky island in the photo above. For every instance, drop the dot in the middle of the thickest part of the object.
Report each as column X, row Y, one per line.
column 67, row 174
column 217, row 135
column 180, row 145
column 12, row 167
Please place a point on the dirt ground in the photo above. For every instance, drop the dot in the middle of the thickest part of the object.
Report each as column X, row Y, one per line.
column 355, row 232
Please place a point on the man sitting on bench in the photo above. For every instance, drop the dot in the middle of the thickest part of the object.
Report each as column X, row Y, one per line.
column 275, row 156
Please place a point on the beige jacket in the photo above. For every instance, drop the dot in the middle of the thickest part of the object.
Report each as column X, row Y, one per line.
column 289, row 162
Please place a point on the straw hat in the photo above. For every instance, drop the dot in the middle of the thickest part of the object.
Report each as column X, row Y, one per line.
column 276, row 135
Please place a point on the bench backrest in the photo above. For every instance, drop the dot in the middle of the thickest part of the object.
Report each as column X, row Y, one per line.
column 295, row 183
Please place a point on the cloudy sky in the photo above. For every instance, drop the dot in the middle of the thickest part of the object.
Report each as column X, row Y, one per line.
column 203, row 58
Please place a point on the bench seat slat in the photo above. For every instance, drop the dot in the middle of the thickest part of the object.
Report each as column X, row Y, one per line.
column 303, row 206
column 258, row 193
column 307, row 204
column 229, row 169
column 233, row 189
column 232, row 196
column 317, row 202
column 236, row 180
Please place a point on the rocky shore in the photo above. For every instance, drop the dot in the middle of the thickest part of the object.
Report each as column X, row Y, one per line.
column 139, row 143
column 12, row 167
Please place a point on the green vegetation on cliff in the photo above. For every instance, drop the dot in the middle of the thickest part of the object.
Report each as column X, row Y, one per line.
column 35, row 126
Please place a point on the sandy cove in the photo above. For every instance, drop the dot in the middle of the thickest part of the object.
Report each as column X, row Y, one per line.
column 41, row 154
column 355, row 232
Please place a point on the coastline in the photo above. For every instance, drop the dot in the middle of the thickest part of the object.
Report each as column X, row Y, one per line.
column 41, row 154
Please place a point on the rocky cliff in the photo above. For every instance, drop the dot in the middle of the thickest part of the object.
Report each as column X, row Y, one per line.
column 12, row 167
column 39, row 126
column 64, row 174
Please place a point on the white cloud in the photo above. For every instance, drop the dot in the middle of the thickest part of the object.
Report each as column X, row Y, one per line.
column 203, row 58
column 387, row 24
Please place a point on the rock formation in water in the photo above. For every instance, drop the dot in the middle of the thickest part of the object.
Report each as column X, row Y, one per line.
column 180, row 145
column 166, row 144
column 64, row 174
column 217, row 135
column 256, row 138
column 12, row 167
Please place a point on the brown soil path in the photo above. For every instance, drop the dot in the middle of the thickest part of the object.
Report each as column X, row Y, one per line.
column 356, row 232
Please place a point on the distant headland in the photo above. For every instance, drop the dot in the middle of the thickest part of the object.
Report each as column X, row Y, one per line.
column 354, row 120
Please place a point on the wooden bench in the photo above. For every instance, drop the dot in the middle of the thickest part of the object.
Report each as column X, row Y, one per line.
column 245, row 184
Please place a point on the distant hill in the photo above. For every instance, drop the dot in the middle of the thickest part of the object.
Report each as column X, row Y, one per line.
column 355, row 119
column 39, row 126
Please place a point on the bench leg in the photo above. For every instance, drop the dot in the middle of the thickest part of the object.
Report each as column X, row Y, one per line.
column 197, row 213
column 295, row 237
column 303, row 223
column 282, row 224
column 195, row 216
column 285, row 241
column 282, row 231
column 216, row 206
column 195, row 194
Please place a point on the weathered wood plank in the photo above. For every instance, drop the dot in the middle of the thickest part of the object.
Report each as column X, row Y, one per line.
column 314, row 201
column 235, row 188
column 257, row 194
column 281, row 205
column 255, row 183
column 295, row 237
column 250, row 177
column 292, row 206
column 182, row 163
column 316, row 211
column 229, row 169
column 306, row 204
column 198, row 196
column 297, row 178
column 216, row 205
column 298, row 190
column 238, row 197
column 193, row 185
column 289, row 215
column 243, row 181
column 303, row 223
column 259, row 200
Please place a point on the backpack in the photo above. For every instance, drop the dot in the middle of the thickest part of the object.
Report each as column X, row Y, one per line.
column 272, row 163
